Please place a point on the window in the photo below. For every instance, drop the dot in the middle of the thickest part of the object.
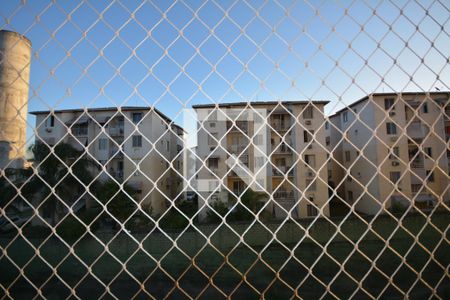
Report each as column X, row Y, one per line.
column 415, row 188
column 102, row 144
column 80, row 129
column 327, row 141
column 310, row 160
column 425, row 108
column 137, row 141
column 345, row 116
column 213, row 163
column 167, row 145
column 308, row 135
column 429, row 151
column 50, row 122
column 347, row 155
column 212, row 124
column 394, row 177
column 311, row 210
column 395, row 153
column 391, row 128
column 389, row 103
column 308, row 112
column 136, row 117
column 430, row 175
column 238, row 187
column 327, row 125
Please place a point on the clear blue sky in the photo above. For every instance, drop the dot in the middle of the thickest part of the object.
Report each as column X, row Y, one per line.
column 233, row 50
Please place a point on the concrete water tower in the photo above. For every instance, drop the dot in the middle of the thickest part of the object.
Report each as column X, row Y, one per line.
column 15, row 60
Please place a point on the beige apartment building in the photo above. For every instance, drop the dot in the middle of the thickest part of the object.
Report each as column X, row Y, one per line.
column 133, row 145
column 391, row 148
column 281, row 146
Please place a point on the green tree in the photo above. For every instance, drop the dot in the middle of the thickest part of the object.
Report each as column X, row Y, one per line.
column 119, row 201
column 65, row 169
column 252, row 201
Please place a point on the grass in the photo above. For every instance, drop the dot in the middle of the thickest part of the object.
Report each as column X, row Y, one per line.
column 283, row 268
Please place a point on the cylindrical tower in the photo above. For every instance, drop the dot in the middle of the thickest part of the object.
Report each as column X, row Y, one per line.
column 15, row 60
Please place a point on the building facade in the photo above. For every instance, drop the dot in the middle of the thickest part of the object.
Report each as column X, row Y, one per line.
column 390, row 149
column 281, row 149
column 136, row 145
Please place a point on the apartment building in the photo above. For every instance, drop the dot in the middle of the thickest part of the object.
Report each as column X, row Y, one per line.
column 391, row 148
column 281, row 146
column 131, row 144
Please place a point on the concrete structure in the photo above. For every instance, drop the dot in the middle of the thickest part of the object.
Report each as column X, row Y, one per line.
column 282, row 145
column 134, row 145
column 15, row 60
column 391, row 148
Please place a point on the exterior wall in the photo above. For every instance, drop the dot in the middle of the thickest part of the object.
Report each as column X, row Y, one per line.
column 285, row 190
column 15, row 60
column 140, row 167
column 370, row 147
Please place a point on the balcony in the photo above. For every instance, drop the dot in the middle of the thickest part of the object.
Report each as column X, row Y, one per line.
column 115, row 153
column 417, row 163
column 282, row 194
column 117, row 174
column 282, row 170
column 283, row 149
column 280, row 126
column 236, row 149
column 116, row 131
column 237, row 126
column 416, row 130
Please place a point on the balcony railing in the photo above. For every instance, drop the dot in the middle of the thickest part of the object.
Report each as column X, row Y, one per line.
column 116, row 153
column 416, row 164
column 280, row 126
column 236, row 149
column 283, row 195
column 116, row 174
column 282, row 170
column 116, row 131
column 237, row 126
column 284, row 149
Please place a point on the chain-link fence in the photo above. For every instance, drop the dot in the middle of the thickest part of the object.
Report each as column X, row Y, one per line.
column 215, row 149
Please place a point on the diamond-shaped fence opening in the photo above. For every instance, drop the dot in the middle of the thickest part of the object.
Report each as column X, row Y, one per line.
column 215, row 149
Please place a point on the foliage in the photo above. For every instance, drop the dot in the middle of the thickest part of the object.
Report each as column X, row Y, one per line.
column 220, row 208
column 249, row 200
column 398, row 208
column 119, row 201
column 53, row 169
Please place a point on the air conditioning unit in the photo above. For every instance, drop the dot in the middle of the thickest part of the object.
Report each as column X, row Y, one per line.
column 392, row 113
column 395, row 163
column 48, row 129
column 308, row 122
column 393, row 138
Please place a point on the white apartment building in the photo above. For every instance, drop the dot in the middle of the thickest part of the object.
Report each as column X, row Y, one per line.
column 391, row 148
column 131, row 144
column 282, row 146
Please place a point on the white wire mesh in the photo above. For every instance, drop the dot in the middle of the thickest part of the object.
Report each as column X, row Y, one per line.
column 309, row 193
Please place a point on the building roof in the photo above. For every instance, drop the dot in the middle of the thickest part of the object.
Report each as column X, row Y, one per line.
column 257, row 103
column 100, row 109
column 385, row 94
